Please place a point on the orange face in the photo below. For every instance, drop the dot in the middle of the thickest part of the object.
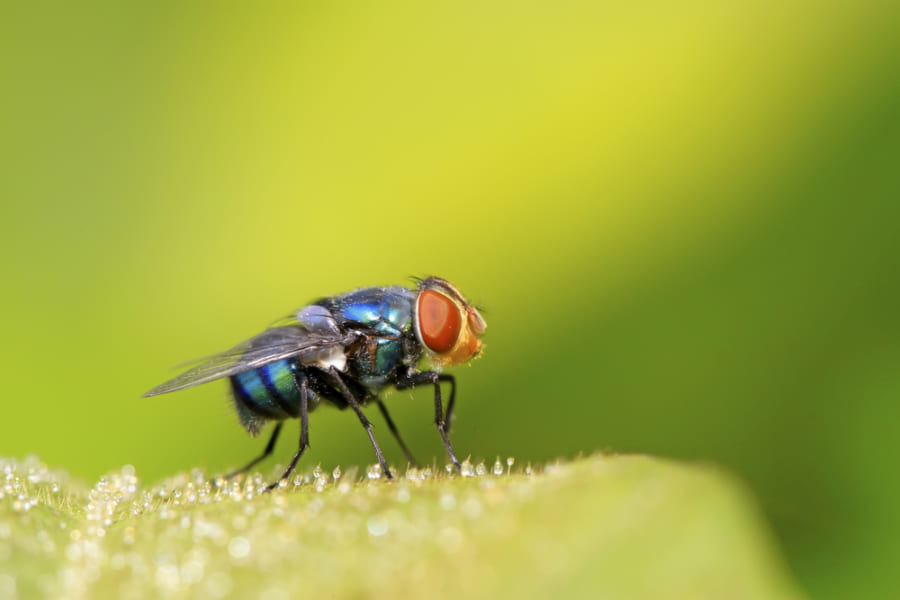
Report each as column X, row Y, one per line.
column 446, row 325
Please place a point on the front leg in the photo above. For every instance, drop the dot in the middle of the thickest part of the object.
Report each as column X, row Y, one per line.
column 431, row 377
column 448, row 421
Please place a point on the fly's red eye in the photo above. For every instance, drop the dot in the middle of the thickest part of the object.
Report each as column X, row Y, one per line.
column 439, row 321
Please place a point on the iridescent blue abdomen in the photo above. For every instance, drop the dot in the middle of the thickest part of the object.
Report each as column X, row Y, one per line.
column 269, row 392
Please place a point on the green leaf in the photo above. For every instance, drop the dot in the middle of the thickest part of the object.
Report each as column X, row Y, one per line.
column 597, row 527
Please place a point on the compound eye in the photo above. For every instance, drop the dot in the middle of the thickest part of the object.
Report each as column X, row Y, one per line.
column 439, row 321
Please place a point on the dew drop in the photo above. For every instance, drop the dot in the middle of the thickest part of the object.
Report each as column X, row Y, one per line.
column 374, row 471
column 498, row 467
column 239, row 547
column 377, row 525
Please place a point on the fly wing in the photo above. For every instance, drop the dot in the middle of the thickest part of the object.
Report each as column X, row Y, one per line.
column 270, row 346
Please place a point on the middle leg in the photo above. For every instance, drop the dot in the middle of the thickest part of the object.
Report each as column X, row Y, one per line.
column 354, row 404
column 393, row 428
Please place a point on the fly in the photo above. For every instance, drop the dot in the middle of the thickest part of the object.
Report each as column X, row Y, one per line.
column 344, row 350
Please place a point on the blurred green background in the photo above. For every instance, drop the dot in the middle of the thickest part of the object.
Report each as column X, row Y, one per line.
column 683, row 222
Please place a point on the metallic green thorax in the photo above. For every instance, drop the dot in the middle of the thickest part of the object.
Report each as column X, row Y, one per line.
column 387, row 313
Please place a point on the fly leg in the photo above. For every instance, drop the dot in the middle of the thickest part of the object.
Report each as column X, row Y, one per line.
column 304, row 430
column 393, row 428
column 410, row 381
column 448, row 421
column 269, row 447
column 354, row 404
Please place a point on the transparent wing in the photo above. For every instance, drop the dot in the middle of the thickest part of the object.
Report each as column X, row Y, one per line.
column 271, row 345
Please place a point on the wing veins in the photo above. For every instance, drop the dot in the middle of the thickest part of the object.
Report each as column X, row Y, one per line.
column 270, row 346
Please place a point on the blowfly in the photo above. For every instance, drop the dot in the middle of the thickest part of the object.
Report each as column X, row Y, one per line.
column 345, row 350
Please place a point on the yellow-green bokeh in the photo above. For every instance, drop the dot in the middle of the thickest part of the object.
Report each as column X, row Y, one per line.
column 682, row 220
